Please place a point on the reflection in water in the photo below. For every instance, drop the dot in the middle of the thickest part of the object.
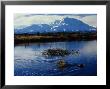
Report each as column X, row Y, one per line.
column 61, row 64
column 30, row 61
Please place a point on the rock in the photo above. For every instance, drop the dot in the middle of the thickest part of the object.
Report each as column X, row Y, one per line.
column 80, row 65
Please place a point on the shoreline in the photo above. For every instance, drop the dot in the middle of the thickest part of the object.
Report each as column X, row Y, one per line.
column 27, row 38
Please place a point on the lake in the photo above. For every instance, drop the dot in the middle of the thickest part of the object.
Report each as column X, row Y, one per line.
column 29, row 60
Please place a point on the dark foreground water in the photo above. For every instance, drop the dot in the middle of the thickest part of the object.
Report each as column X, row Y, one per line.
column 29, row 61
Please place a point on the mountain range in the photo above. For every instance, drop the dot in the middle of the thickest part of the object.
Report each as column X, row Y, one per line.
column 65, row 25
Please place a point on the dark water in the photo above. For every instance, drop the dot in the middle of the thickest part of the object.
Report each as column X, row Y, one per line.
column 29, row 61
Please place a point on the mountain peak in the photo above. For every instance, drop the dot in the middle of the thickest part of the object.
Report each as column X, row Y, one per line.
column 65, row 25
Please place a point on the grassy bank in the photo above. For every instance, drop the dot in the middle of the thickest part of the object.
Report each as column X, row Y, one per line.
column 20, row 38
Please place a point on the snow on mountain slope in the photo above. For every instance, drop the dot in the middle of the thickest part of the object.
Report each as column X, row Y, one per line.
column 66, row 25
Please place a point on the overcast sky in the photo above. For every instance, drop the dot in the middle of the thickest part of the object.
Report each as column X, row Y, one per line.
column 24, row 20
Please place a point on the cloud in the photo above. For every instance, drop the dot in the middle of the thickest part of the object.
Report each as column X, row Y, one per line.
column 23, row 20
column 91, row 20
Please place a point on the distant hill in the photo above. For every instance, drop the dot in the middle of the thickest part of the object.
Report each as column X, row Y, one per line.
column 66, row 25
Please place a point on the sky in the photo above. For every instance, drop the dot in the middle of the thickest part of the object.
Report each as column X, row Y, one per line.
column 24, row 20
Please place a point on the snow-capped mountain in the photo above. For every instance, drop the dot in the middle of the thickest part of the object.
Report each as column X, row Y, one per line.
column 65, row 25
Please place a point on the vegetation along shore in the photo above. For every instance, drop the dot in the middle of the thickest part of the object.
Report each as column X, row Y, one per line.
column 50, row 37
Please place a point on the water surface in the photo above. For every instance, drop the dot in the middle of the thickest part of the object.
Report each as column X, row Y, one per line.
column 29, row 61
